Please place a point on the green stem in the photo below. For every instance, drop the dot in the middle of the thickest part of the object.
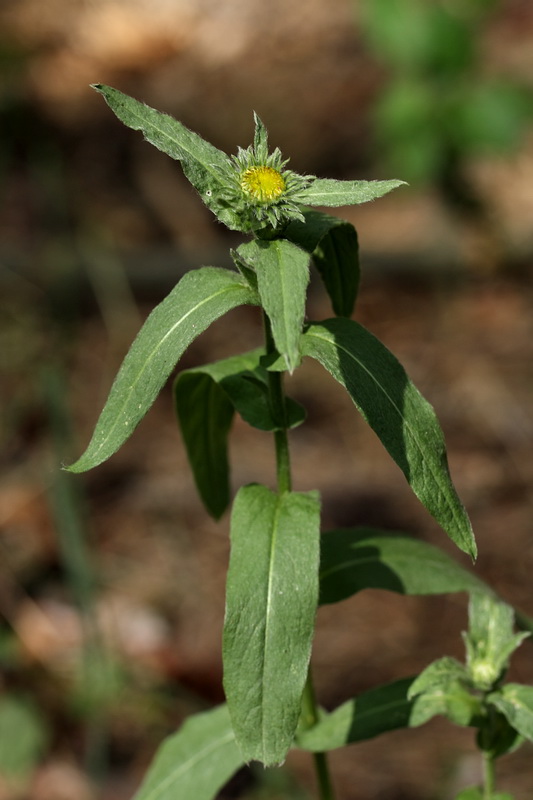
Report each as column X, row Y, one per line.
column 283, row 473
column 488, row 775
column 310, row 718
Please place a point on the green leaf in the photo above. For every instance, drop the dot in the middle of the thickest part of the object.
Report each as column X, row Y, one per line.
column 405, row 423
column 476, row 793
column 194, row 762
column 372, row 713
column 200, row 297
column 205, row 414
column 515, row 702
column 364, row 558
column 472, row 793
column 329, row 192
column 271, row 600
column 490, row 640
column 282, row 271
column 203, row 164
column 205, row 399
column 23, row 736
column 443, row 688
column 335, row 250
column 452, row 701
column 440, row 673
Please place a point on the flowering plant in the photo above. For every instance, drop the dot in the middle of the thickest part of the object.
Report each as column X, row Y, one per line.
column 281, row 567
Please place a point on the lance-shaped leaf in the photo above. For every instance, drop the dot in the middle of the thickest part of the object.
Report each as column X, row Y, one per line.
column 405, row 423
column 335, row 250
column 282, row 271
column 205, row 414
column 200, row 297
column 196, row 761
column 515, row 702
column 329, row 192
column 377, row 711
column 205, row 399
column 203, row 164
column 364, row 558
column 272, row 593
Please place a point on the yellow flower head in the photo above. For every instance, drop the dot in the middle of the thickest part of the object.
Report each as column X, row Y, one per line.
column 263, row 183
column 260, row 189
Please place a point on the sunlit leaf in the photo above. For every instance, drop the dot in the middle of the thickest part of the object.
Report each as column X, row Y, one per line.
column 516, row 703
column 370, row 714
column 363, row 558
column 272, row 593
column 203, row 164
column 405, row 423
column 329, row 192
column 196, row 761
column 282, row 271
column 200, row 297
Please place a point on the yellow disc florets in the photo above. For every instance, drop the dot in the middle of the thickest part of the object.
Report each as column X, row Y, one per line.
column 258, row 188
column 263, row 183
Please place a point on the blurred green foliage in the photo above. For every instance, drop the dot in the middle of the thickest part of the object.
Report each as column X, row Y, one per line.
column 440, row 104
column 23, row 736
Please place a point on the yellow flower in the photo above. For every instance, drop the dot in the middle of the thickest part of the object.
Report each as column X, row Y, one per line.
column 263, row 183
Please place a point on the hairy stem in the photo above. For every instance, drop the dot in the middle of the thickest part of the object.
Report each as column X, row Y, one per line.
column 283, row 472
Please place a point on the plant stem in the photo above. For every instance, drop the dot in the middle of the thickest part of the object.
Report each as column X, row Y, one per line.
column 279, row 412
column 488, row 775
column 283, row 472
column 310, row 718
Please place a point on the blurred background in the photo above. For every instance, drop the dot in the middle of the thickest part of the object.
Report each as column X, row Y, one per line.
column 112, row 583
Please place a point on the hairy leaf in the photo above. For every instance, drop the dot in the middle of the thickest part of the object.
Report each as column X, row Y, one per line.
column 516, row 703
column 282, row 271
column 272, row 593
column 200, row 297
column 194, row 762
column 490, row 640
column 203, row 164
column 329, row 192
column 405, row 423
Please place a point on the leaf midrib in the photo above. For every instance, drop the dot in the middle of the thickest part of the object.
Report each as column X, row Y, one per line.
column 195, row 759
column 128, row 395
column 338, row 347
